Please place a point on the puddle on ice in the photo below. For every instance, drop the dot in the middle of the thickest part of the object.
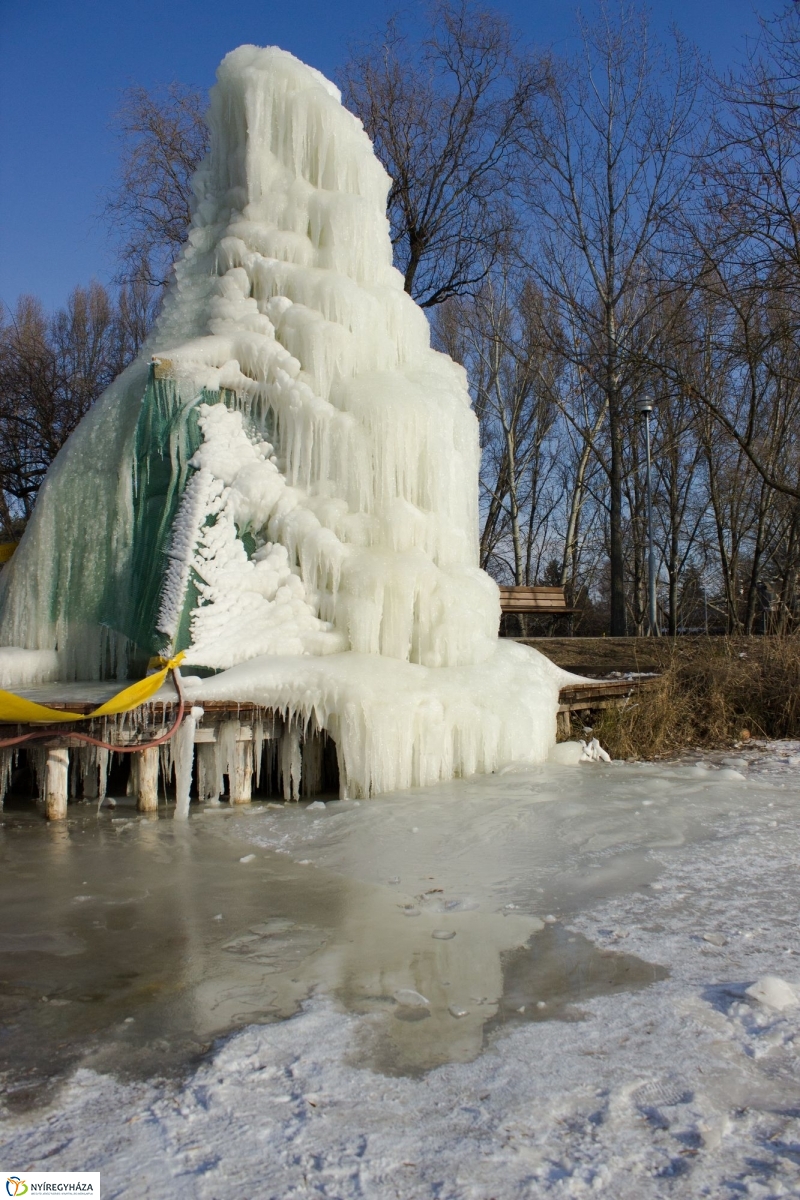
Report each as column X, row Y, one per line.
column 550, row 977
column 544, row 979
column 129, row 944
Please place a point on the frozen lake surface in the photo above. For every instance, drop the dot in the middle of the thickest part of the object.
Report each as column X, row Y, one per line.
column 526, row 985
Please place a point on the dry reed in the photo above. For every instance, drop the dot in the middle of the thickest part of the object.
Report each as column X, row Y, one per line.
column 710, row 691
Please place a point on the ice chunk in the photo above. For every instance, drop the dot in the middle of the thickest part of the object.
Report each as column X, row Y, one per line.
column 408, row 998
column 567, row 753
column 593, row 752
column 773, row 992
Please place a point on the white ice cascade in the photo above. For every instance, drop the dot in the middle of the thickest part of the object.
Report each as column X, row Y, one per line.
column 330, row 523
column 287, row 296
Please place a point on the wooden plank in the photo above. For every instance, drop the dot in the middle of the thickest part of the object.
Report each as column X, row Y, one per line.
column 531, row 589
column 593, row 705
column 534, row 598
column 546, row 601
column 600, row 693
column 535, row 606
column 599, row 689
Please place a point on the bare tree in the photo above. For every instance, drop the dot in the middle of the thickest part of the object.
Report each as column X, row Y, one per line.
column 497, row 335
column 747, row 243
column 28, row 383
column 608, row 169
column 444, row 114
column 51, row 371
column 753, row 167
column 163, row 138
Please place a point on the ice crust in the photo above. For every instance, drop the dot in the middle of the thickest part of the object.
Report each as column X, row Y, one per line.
column 330, row 520
column 399, row 725
column 21, row 667
column 685, row 1089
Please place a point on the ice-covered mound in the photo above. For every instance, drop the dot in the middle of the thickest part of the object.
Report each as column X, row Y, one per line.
column 399, row 725
column 289, row 469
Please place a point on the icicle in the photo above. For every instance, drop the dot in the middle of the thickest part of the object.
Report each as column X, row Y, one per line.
column 291, row 760
column 184, row 761
column 37, row 761
column 103, row 760
column 167, row 761
column 258, row 746
column 85, row 765
column 208, row 772
column 226, row 753
column 7, row 758
column 313, row 758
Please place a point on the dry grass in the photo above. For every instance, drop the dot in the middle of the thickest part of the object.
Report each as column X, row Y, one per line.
column 709, row 692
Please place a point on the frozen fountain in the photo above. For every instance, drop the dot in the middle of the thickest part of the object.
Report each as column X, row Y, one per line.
column 285, row 482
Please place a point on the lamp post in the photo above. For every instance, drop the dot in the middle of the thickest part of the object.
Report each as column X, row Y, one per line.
column 645, row 407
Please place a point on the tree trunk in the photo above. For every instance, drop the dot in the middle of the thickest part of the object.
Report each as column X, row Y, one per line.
column 752, row 591
column 616, row 558
column 674, row 552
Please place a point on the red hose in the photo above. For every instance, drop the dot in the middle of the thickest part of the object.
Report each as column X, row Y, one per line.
column 59, row 731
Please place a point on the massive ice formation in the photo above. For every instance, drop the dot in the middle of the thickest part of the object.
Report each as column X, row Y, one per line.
column 288, row 470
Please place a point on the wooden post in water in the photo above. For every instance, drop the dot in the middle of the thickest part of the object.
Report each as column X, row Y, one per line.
column 145, row 764
column 56, row 784
column 241, row 780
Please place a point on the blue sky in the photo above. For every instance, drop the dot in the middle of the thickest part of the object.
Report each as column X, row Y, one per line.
column 64, row 63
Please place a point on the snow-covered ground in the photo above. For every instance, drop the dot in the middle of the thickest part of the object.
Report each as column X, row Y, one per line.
column 687, row 1087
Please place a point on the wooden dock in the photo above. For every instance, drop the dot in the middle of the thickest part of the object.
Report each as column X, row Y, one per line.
column 231, row 739
column 595, row 695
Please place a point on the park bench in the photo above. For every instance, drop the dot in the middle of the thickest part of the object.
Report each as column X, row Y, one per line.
column 519, row 606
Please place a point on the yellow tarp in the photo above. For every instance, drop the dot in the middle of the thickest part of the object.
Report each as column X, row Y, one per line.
column 14, row 710
column 6, row 550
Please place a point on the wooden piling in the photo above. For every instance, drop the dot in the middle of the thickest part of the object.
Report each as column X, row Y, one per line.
column 241, row 780
column 145, row 766
column 56, row 783
column 238, row 740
